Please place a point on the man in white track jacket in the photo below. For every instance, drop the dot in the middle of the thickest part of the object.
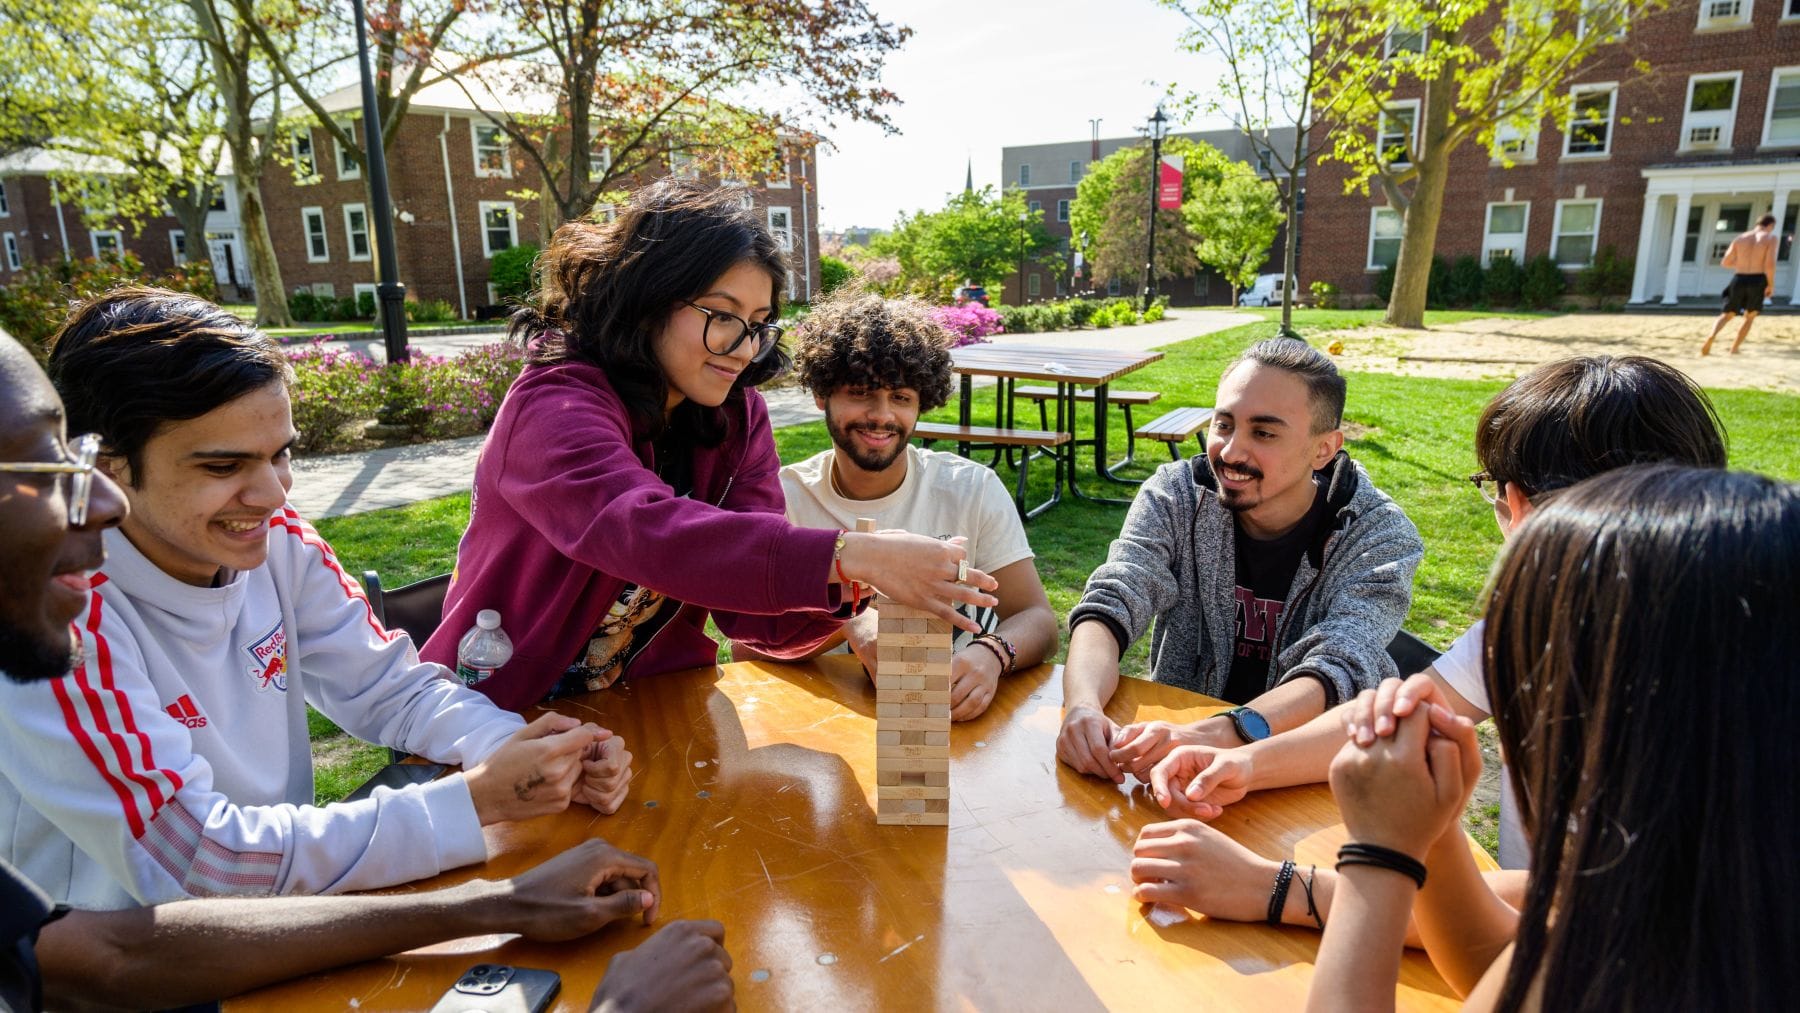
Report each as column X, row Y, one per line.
column 174, row 760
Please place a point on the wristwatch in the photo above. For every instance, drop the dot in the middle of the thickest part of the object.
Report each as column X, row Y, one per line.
column 1251, row 726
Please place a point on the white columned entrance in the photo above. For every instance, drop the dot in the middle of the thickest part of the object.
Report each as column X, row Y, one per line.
column 1640, row 279
column 1677, row 234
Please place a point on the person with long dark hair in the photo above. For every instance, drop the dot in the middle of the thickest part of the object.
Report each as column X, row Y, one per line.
column 1639, row 650
column 630, row 487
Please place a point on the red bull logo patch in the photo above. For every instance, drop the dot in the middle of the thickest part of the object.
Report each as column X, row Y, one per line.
column 269, row 654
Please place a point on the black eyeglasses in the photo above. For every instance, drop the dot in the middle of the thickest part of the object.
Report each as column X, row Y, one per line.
column 733, row 331
column 1481, row 480
column 80, row 471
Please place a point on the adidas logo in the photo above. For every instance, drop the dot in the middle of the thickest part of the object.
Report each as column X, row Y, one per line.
column 184, row 711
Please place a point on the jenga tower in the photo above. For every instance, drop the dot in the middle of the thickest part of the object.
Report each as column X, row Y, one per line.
column 912, row 714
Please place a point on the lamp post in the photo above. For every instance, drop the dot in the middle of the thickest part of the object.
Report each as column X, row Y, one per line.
column 1023, row 217
column 390, row 294
column 1157, row 133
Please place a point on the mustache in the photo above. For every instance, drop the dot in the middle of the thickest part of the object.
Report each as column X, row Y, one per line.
column 1246, row 469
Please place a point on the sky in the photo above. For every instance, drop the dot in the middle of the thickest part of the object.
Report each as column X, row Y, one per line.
column 979, row 75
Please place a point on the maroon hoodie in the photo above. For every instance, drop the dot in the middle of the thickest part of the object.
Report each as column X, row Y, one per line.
column 567, row 510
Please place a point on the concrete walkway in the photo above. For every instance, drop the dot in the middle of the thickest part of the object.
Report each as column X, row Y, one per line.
column 337, row 485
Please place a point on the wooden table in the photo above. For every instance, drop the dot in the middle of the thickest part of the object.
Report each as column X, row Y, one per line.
column 1067, row 368
column 754, row 795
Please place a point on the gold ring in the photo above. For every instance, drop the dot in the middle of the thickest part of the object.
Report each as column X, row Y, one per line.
column 962, row 571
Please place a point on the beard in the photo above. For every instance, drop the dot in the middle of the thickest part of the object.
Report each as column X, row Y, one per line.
column 1237, row 500
column 865, row 459
column 25, row 658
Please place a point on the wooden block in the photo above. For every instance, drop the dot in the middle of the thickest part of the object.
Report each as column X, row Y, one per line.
column 930, row 640
column 888, row 607
column 938, row 655
column 914, row 764
column 915, row 724
column 866, row 525
column 884, row 711
column 912, row 681
column 913, row 819
column 937, row 752
column 909, row 792
column 884, row 777
column 886, row 625
column 940, row 805
column 910, row 696
column 896, row 666
column 939, row 682
column 884, row 804
column 933, row 710
column 888, row 737
column 915, row 625
column 937, row 778
column 933, row 738
column 913, row 738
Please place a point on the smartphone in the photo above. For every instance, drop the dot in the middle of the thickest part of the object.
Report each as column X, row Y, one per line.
column 396, row 775
column 499, row 988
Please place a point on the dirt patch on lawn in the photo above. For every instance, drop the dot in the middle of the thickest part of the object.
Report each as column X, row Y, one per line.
column 1496, row 348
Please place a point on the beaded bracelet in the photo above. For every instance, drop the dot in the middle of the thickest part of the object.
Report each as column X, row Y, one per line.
column 1278, row 896
column 991, row 649
column 1007, row 663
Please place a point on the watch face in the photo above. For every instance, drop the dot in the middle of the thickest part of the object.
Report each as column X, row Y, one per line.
column 1252, row 724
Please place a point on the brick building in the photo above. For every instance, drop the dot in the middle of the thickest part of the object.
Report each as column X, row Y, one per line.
column 1666, row 169
column 40, row 224
column 1048, row 175
column 454, row 181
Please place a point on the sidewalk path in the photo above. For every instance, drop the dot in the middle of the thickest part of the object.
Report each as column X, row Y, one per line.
column 337, row 485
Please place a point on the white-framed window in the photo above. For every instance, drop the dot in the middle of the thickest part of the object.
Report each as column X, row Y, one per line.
column 1792, row 11
column 356, row 232
column 1403, row 40
column 1398, row 131
column 13, row 263
column 1062, row 210
column 1034, row 206
column 1724, row 14
column 782, row 178
column 301, row 148
column 493, row 149
column 107, row 243
column 1504, row 233
column 684, row 164
column 1034, row 285
column 1710, row 111
column 318, row 250
column 1781, row 123
column 781, row 224
column 1586, row 17
column 1024, row 175
column 1511, row 144
column 5, row 205
column 178, row 245
column 499, row 227
column 1074, row 170
column 1202, row 285
column 1575, row 233
column 356, row 294
column 599, row 156
column 1385, row 229
column 1112, row 287
column 221, row 201
column 1591, row 121
column 346, row 163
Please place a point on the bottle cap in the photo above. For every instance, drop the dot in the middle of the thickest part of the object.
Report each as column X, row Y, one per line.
column 487, row 619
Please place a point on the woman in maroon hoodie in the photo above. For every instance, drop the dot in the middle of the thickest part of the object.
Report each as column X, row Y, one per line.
column 630, row 485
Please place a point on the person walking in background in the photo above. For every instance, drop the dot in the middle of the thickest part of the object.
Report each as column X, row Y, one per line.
column 1752, row 256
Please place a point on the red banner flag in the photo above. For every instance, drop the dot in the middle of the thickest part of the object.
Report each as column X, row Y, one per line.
column 1168, row 183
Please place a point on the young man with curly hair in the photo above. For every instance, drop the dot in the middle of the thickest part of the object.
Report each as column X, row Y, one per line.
column 873, row 365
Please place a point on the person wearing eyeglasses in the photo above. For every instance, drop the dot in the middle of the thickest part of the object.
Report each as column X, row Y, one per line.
column 630, row 486
column 174, row 761
column 1551, row 428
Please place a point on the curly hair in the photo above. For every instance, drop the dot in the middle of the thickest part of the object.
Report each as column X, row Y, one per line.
column 863, row 340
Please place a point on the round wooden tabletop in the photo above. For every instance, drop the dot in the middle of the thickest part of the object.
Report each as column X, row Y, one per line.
column 754, row 794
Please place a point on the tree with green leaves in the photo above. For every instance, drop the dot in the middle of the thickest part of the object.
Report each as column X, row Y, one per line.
column 1275, row 61
column 1236, row 220
column 1484, row 72
column 1112, row 210
column 977, row 237
column 616, row 89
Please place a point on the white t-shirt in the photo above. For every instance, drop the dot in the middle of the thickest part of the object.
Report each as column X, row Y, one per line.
column 943, row 495
column 1460, row 666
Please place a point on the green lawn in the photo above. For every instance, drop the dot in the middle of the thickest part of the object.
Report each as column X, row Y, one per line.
column 1414, row 435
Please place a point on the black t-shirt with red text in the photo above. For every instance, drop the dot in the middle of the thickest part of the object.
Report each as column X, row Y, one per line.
column 1265, row 574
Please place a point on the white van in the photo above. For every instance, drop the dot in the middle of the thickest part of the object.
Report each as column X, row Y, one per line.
column 1266, row 292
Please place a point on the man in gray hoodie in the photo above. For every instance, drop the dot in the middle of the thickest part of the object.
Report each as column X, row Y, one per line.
column 1276, row 574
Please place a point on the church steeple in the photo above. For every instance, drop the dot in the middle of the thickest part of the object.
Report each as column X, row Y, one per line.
column 969, row 180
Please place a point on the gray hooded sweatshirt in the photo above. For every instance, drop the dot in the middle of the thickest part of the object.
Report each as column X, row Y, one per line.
column 1175, row 562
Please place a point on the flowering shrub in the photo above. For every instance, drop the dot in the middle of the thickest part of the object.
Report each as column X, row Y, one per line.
column 34, row 303
column 433, row 396
column 970, row 323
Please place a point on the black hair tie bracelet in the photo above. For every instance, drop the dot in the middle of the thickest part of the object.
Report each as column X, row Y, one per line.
column 1382, row 858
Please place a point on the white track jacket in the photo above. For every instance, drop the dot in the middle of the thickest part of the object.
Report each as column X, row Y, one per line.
column 174, row 760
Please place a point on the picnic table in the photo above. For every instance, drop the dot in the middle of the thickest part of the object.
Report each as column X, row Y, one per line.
column 1066, row 369
column 755, row 793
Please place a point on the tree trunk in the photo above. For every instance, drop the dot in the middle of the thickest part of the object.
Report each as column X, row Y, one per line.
column 1418, row 236
column 1289, row 258
column 265, row 270
column 191, row 213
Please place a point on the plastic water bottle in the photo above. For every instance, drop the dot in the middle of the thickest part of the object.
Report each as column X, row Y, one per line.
column 483, row 649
